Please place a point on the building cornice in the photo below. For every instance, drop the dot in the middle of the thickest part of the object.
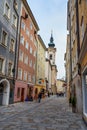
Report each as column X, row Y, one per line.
column 41, row 41
column 30, row 13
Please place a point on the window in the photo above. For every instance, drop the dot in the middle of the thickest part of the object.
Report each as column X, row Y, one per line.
column 19, row 73
column 22, row 40
column 30, row 63
column 16, row 4
column 1, row 64
column 26, row 46
column 50, row 56
column 86, row 79
column 33, row 79
column 31, row 50
column 31, row 26
column 82, row 29
column 25, row 76
column 4, row 38
column 31, row 37
column 34, row 66
column 20, row 55
column 10, row 69
column 35, row 53
column 26, row 60
column 12, row 45
column 23, row 25
column 79, row 1
column 27, row 31
column 14, row 20
column 18, row 92
column 29, row 78
column 7, row 10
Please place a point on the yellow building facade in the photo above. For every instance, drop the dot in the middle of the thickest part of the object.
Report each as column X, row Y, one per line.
column 40, row 66
column 60, row 86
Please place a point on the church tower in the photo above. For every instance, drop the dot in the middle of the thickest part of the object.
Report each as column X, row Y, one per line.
column 51, row 54
column 51, row 50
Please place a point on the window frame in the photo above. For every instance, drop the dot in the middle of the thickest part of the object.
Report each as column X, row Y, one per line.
column 5, row 45
column 5, row 11
column 10, row 74
column 12, row 49
column 3, row 65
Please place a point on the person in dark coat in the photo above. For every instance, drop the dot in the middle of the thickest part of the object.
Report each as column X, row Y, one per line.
column 39, row 97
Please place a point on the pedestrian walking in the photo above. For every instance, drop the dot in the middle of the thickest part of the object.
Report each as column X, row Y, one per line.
column 39, row 97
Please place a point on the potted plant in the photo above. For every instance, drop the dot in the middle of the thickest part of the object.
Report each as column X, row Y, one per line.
column 74, row 104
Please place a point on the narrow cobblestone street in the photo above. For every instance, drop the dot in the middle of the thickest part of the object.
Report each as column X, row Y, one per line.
column 51, row 114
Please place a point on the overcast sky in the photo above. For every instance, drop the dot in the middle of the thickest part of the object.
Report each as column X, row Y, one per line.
column 51, row 15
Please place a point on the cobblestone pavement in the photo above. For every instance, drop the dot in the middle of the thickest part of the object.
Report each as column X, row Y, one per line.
column 51, row 114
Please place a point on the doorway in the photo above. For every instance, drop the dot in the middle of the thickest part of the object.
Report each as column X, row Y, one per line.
column 4, row 92
column 22, row 94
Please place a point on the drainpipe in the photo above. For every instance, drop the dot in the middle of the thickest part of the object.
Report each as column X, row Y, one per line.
column 15, row 60
column 78, row 38
column 35, row 35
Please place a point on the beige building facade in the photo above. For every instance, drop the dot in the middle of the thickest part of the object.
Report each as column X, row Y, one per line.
column 60, row 86
column 73, row 28
column 40, row 66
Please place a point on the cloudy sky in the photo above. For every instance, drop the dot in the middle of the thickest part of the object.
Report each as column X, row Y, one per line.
column 51, row 15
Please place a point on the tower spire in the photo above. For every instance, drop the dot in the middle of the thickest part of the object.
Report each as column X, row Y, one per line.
column 51, row 39
column 51, row 44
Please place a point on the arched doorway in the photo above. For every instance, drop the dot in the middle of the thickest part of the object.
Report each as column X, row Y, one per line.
column 4, row 92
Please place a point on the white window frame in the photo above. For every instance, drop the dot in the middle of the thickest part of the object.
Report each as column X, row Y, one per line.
column 30, row 63
column 21, row 55
column 14, row 21
column 11, row 74
column 26, row 60
column 26, row 45
column 7, row 14
column 25, row 76
column 29, row 77
column 31, row 25
column 23, row 25
column 12, row 49
column 27, row 32
column 2, row 37
column 3, row 66
column 33, row 79
column 31, row 50
column 20, row 76
column 22, row 40
column 82, row 30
